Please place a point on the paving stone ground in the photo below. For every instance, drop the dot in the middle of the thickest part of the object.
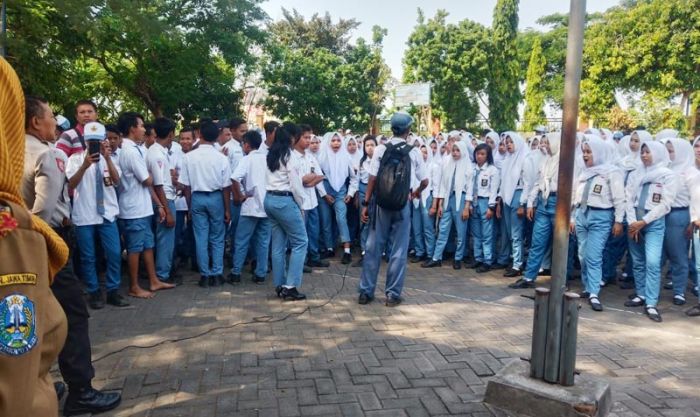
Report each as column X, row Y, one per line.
column 431, row 356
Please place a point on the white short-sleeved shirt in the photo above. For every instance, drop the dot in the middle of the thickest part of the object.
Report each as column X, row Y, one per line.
column 417, row 163
column 251, row 174
column 205, row 169
column 176, row 161
column 235, row 153
column 134, row 198
column 288, row 178
column 607, row 191
column 85, row 194
column 159, row 165
column 487, row 182
column 309, row 164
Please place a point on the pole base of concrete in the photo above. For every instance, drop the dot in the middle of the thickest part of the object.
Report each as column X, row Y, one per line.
column 513, row 391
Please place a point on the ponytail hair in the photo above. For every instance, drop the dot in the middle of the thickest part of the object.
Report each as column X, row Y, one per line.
column 280, row 150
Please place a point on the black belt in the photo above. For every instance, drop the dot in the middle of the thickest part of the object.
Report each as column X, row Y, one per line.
column 280, row 193
column 678, row 208
column 598, row 208
column 206, row 192
column 486, row 198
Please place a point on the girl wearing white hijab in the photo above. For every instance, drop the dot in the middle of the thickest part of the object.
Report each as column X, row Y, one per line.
column 337, row 166
column 676, row 242
column 692, row 181
column 493, row 139
column 650, row 195
column 511, row 193
column 599, row 208
column 354, row 150
column 423, row 224
column 453, row 203
column 541, row 204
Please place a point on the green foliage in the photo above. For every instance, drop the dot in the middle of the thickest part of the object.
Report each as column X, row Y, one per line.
column 503, row 86
column 314, row 75
column 453, row 57
column 534, row 93
column 170, row 57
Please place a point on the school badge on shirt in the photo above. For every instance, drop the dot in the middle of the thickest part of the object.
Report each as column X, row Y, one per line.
column 18, row 333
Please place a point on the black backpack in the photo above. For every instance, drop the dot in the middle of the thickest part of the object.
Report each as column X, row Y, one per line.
column 393, row 181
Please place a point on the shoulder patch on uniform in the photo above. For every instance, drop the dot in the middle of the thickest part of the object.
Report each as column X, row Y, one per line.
column 17, row 279
column 18, row 333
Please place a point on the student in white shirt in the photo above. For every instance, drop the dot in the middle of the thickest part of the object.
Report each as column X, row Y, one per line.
column 483, row 208
column 312, row 178
column 184, row 235
column 283, row 204
column 599, row 209
column 136, row 205
column 541, row 205
column 422, row 224
column 338, row 169
column 511, row 193
column 234, row 152
column 676, row 241
column 115, row 142
column 650, row 194
column 93, row 179
column 249, row 189
column 692, row 181
column 369, row 144
column 206, row 175
column 158, row 161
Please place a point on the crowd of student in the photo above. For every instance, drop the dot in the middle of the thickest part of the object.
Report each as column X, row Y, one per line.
column 487, row 203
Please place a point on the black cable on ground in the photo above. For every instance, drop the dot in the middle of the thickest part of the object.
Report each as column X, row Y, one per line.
column 255, row 320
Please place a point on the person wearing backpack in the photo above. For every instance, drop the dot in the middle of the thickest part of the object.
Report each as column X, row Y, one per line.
column 386, row 209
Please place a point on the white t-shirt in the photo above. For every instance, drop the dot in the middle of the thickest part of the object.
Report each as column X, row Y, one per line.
column 159, row 165
column 233, row 152
column 251, row 173
column 85, row 194
column 205, row 169
column 134, row 197
column 288, row 178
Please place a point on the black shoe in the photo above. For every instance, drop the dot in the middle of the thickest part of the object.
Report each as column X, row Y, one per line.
column 522, row 283
column 364, row 299
column 330, row 253
column 90, row 401
column 473, row 265
column 116, row 299
column 319, row 264
column 585, row 294
column 595, row 304
column 512, row 273
column 678, row 300
column 258, row 280
column 457, row 265
column 668, row 285
column 234, row 278
column 483, row 268
column 393, row 301
column 653, row 314
column 291, row 294
column 634, row 302
column 214, row 281
column 418, row 259
column 358, row 263
column 694, row 291
column 347, row 259
column 499, row 266
column 307, row 269
column 60, row 388
column 545, row 273
column 626, row 285
column 693, row 311
column 204, row 282
column 95, row 300
column 278, row 291
column 431, row 264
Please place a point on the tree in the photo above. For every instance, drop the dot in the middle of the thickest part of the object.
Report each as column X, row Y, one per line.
column 534, row 94
column 453, row 58
column 314, row 75
column 172, row 57
column 503, row 86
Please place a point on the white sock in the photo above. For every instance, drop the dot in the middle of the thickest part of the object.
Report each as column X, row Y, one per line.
column 347, row 250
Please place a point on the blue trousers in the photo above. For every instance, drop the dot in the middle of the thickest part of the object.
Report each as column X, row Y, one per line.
column 249, row 227
column 209, row 232
column 385, row 223
column 515, row 227
column 696, row 256
column 287, row 225
column 592, row 230
column 231, row 229
column 109, row 236
column 428, row 226
column 676, row 247
column 364, row 227
column 615, row 249
column 500, row 245
column 165, row 244
column 312, row 231
column 418, row 229
column 646, row 259
column 482, row 231
column 541, row 235
column 340, row 211
column 452, row 214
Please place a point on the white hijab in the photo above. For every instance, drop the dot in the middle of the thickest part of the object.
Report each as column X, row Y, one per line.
column 684, row 155
column 513, row 166
column 335, row 165
column 666, row 134
column 550, row 169
column 632, row 159
column 357, row 156
column 497, row 157
column 461, row 168
column 659, row 168
column 602, row 159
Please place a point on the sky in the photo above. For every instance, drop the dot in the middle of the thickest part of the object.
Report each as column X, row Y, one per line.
column 399, row 16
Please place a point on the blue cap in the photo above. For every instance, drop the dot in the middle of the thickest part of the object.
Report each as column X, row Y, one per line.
column 62, row 123
column 401, row 121
column 618, row 135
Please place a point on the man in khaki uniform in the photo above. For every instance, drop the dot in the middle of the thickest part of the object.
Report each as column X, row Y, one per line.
column 33, row 323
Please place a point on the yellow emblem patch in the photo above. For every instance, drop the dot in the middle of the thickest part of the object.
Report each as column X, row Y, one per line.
column 17, row 279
